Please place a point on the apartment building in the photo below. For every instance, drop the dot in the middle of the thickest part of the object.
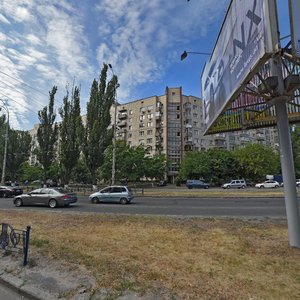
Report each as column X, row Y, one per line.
column 171, row 124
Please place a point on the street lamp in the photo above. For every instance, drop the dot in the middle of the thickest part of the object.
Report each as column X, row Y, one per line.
column 185, row 54
column 113, row 168
column 5, row 144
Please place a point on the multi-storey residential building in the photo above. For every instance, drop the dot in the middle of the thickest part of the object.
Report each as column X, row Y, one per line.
column 171, row 124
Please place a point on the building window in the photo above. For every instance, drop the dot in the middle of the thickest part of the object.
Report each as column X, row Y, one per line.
column 130, row 120
column 150, row 116
column 131, row 112
column 149, row 141
column 150, row 107
column 150, row 124
column 141, row 133
column 178, row 116
column 178, row 133
column 141, row 142
column 129, row 127
column 129, row 135
column 142, row 117
column 178, row 107
column 149, row 132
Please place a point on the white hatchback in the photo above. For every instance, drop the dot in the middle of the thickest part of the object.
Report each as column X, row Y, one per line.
column 268, row 184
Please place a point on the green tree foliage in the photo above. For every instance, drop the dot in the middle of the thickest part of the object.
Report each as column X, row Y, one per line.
column 47, row 134
column 70, row 134
column 97, row 136
column 81, row 173
column 214, row 165
column 257, row 161
column 295, row 135
column 31, row 173
column 18, row 150
column 132, row 164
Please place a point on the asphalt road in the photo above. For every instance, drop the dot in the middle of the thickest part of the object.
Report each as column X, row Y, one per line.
column 175, row 206
column 7, row 293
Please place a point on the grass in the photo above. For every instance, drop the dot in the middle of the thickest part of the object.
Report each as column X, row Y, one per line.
column 189, row 258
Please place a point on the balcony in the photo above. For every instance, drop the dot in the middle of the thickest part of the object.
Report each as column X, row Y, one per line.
column 157, row 115
column 122, row 124
column 122, row 116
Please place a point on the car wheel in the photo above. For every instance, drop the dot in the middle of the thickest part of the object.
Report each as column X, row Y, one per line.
column 228, row 187
column 18, row 202
column 261, row 187
column 95, row 200
column 52, row 203
column 123, row 201
column 243, row 186
column 276, row 186
column 206, row 187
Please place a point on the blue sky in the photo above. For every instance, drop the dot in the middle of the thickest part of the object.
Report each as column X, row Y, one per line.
column 58, row 42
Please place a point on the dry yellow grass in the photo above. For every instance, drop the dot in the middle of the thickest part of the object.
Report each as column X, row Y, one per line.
column 190, row 258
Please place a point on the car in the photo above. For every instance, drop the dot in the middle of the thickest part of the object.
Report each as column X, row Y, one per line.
column 268, row 184
column 162, row 183
column 51, row 197
column 196, row 184
column 10, row 191
column 116, row 193
column 235, row 184
column 298, row 182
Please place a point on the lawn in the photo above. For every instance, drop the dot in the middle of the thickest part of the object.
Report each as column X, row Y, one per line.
column 181, row 258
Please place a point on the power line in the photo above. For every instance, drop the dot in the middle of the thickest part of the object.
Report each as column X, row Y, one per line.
column 13, row 88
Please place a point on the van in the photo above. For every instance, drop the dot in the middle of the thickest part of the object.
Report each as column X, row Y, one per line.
column 235, row 184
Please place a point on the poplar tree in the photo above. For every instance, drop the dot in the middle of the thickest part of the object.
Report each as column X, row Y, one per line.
column 98, row 119
column 70, row 134
column 47, row 134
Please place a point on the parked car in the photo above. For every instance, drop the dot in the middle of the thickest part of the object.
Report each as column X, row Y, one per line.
column 116, row 193
column 235, row 184
column 52, row 197
column 10, row 191
column 162, row 183
column 268, row 184
column 196, row 184
column 297, row 183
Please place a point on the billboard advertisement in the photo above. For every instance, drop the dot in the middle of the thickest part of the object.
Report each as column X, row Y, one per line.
column 247, row 38
column 294, row 6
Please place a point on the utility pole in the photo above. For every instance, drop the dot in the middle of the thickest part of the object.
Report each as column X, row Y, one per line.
column 5, row 143
column 113, row 169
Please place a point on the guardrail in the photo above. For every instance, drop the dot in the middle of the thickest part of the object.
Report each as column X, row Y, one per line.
column 16, row 240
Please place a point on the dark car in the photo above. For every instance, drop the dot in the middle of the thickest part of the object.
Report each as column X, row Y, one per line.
column 10, row 191
column 162, row 183
column 51, row 197
column 196, row 184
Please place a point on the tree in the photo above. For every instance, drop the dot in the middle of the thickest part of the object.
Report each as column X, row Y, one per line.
column 257, row 161
column 31, row 173
column 70, row 134
column 97, row 135
column 47, row 135
column 214, row 165
column 132, row 164
column 18, row 150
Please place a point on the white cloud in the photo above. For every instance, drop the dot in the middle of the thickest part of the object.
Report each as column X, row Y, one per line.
column 144, row 33
column 3, row 19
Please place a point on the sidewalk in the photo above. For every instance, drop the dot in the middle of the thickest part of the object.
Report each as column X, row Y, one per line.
column 50, row 280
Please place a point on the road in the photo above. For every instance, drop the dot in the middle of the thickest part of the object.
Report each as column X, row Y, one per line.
column 176, row 206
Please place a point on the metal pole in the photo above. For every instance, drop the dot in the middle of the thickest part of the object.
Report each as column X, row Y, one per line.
column 5, row 148
column 113, row 170
column 286, row 158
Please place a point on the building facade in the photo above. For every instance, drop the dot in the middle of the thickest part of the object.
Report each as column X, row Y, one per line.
column 171, row 124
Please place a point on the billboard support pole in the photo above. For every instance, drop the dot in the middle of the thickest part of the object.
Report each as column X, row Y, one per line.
column 286, row 158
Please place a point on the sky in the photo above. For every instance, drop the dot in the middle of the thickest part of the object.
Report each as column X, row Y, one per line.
column 64, row 42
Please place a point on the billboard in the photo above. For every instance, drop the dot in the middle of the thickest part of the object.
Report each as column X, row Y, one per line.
column 248, row 37
column 294, row 6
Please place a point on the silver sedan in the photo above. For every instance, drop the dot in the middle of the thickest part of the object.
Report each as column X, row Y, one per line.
column 51, row 197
